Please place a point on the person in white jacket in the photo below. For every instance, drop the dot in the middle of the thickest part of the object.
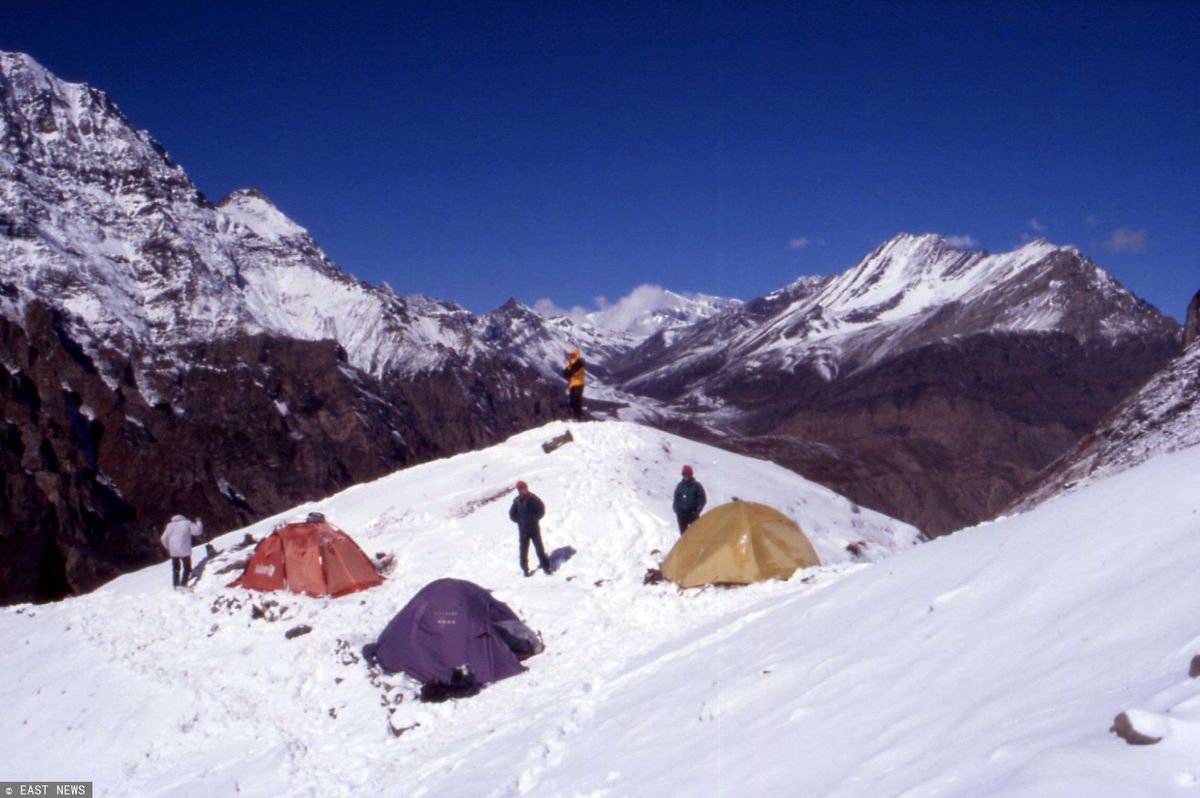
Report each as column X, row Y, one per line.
column 177, row 540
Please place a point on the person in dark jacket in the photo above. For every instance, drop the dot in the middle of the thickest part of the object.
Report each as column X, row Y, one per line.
column 526, row 511
column 689, row 499
column 573, row 373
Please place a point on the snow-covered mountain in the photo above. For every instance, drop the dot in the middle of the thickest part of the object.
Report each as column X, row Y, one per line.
column 162, row 353
column 927, row 381
column 911, row 291
column 989, row 663
column 101, row 220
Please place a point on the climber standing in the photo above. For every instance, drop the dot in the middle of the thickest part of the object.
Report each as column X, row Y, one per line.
column 177, row 539
column 689, row 499
column 526, row 512
column 574, row 373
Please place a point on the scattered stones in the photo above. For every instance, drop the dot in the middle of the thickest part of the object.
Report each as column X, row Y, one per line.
column 475, row 504
column 653, row 576
column 297, row 631
column 269, row 610
column 385, row 563
column 345, row 653
column 1123, row 727
column 226, row 604
column 397, row 731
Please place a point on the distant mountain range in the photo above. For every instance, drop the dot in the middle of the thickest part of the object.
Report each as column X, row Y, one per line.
column 162, row 354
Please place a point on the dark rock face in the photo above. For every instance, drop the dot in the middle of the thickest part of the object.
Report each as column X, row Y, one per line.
column 1191, row 327
column 945, row 436
column 240, row 429
column 1160, row 417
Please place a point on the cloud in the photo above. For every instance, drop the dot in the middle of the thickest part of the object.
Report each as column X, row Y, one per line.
column 634, row 306
column 962, row 242
column 1125, row 240
column 804, row 242
column 1036, row 225
column 616, row 315
column 629, row 313
column 1092, row 220
column 549, row 309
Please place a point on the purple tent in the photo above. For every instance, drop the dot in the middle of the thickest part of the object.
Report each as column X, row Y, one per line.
column 451, row 623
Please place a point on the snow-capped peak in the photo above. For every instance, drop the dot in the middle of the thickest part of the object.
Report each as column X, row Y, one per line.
column 249, row 208
column 912, row 278
column 102, row 224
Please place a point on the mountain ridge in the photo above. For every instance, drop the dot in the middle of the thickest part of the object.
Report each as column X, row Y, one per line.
column 173, row 321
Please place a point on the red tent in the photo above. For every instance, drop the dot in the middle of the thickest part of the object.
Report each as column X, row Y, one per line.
column 312, row 557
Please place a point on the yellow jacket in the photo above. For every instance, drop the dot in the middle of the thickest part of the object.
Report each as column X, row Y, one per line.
column 574, row 371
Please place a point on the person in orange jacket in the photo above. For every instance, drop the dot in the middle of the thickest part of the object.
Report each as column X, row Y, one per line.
column 573, row 373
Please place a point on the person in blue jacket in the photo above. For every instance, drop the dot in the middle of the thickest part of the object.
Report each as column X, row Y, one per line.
column 526, row 511
column 689, row 499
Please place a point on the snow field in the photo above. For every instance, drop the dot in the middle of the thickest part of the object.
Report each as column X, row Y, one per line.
column 989, row 663
column 228, row 703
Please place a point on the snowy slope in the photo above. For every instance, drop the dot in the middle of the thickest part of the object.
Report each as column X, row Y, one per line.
column 989, row 663
column 215, row 697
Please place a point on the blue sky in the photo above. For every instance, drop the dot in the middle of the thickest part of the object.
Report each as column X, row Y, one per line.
column 477, row 151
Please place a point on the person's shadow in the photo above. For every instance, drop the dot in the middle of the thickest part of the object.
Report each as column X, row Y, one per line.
column 560, row 556
column 210, row 551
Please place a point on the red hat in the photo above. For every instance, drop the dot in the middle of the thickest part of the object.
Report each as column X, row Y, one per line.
column 687, row 470
column 521, row 485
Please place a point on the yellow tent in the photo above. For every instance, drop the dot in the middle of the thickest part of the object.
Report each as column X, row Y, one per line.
column 736, row 544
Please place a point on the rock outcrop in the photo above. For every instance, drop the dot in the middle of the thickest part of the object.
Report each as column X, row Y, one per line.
column 1191, row 327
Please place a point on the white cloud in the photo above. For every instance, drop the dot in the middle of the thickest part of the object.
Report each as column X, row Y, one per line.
column 615, row 315
column 626, row 311
column 1124, row 239
column 804, row 242
column 630, row 313
column 549, row 309
column 1036, row 225
column 962, row 242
